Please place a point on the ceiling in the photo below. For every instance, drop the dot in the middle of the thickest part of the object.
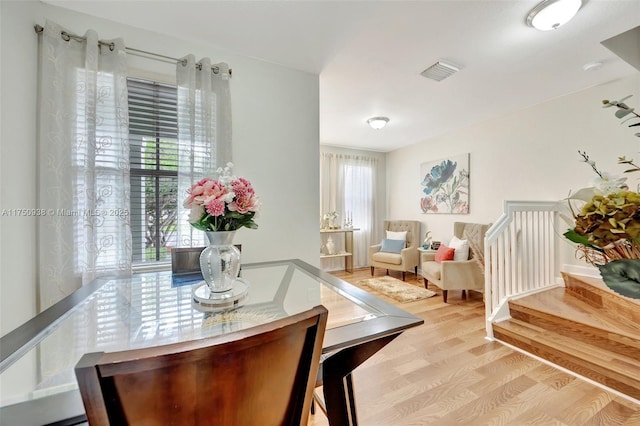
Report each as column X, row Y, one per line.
column 369, row 55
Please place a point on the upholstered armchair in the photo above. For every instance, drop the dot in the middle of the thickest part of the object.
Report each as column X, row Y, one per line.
column 458, row 274
column 404, row 259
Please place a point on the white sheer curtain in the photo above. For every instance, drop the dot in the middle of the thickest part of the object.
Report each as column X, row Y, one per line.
column 204, row 131
column 348, row 186
column 83, row 163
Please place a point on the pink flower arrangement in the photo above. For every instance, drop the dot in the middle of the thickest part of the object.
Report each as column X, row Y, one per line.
column 225, row 204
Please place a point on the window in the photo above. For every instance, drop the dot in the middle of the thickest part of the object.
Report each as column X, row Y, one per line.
column 358, row 192
column 153, row 154
column 348, row 186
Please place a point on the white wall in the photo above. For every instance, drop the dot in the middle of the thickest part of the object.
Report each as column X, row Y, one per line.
column 275, row 131
column 526, row 155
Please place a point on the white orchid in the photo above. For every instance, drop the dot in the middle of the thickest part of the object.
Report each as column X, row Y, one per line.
column 608, row 183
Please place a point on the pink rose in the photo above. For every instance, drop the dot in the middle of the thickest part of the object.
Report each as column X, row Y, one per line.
column 245, row 204
column 195, row 193
column 203, row 192
column 213, row 190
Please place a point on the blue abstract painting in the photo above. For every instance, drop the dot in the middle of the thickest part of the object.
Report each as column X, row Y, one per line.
column 445, row 185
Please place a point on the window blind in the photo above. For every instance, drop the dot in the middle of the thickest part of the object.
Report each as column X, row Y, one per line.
column 153, row 154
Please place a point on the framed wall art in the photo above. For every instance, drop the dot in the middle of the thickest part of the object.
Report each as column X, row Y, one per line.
column 445, row 185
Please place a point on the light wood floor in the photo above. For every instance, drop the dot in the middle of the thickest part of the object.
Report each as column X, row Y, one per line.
column 446, row 373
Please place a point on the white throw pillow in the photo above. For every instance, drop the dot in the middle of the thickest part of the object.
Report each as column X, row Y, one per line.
column 461, row 248
column 397, row 235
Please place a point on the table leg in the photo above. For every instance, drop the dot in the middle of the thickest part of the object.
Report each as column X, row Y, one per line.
column 337, row 382
column 348, row 382
column 348, row 247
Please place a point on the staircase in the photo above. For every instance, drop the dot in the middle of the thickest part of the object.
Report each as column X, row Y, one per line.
column 583, row 327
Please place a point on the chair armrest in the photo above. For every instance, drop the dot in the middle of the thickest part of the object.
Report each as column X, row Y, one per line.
column 374, row 249
column 428, row 257
column 462, row 274
column 410, row 256
column 460, row 265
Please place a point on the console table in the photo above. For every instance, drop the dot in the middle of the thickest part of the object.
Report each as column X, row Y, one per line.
column 347, row 254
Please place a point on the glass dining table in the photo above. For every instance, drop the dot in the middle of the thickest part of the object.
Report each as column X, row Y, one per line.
column 37, row 380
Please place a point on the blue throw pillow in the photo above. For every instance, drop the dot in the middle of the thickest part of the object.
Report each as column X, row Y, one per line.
column 392, row 246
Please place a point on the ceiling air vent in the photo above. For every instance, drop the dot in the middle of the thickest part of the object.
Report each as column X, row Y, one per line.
column 439, row 71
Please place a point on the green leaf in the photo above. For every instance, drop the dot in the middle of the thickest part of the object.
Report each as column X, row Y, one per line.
column 623, row 112
column 199, row 225
column 573, row 236
column 622, row 276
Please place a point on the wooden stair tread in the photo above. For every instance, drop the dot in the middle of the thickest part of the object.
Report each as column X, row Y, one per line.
column 610, row 369
column 585, row 328
column 604, row 359
column 595, row 292
column 558, row 302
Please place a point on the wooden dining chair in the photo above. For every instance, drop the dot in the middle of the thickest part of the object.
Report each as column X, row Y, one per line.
column 264, row 375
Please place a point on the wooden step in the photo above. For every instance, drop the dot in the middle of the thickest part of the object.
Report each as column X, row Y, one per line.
column 596, row 293
column 564, row 313
column 586, row 328
column 604, row 366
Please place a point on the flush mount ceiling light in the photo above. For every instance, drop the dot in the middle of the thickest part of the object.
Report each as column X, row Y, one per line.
column 551, row 14
column 378, row 122
column 592, row 66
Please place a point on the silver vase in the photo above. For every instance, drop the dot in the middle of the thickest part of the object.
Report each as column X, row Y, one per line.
column 220, row 261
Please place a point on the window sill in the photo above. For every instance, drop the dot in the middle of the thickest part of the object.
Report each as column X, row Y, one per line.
column 141, row 268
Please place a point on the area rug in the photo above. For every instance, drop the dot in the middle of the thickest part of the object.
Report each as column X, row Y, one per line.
column 396, row 289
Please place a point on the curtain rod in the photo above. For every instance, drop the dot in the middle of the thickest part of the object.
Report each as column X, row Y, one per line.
column 136, row 52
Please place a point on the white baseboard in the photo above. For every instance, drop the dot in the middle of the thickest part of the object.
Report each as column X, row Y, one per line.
column 587, row 271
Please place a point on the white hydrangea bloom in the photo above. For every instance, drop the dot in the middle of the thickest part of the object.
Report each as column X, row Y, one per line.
column 228, row 198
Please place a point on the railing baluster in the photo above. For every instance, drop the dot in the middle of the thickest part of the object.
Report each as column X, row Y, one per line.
column 520, row 252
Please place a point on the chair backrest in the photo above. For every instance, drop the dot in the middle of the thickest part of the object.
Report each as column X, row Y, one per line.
column 411, row 226
column 474, row 233
column 262, row 375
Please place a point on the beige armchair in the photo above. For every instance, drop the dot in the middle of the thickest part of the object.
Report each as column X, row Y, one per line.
column 458, row 274
column 408, row 258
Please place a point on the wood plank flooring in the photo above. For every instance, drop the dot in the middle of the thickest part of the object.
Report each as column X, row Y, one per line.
column 446, row 373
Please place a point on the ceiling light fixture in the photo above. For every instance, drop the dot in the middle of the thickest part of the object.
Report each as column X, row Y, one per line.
column 378, row 122
column 551, row 14
column 592, row 66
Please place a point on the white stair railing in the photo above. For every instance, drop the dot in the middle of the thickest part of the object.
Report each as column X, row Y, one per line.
column 520, row 255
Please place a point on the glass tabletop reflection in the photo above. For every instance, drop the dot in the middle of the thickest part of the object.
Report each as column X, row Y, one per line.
column 154, row 309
